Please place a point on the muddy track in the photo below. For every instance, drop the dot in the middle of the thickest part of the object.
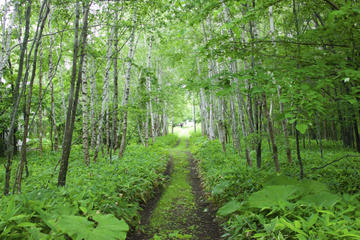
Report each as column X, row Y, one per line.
column 149, row 207
column 208, row 228
column 186, row 211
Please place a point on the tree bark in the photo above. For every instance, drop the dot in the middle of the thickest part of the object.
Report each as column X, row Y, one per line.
column 105, row 97
column 285, row 128
column 301, row 167
column 127, row 86
column 28, row 98
column 272, row 135
column 73, row 100
column 85, row 116
column 50, row 79
column 194, row 113
column 93, row 104
column 6, row 38
column 149, row 113
column 40, row 102
column 17, row 96
column 116, row 94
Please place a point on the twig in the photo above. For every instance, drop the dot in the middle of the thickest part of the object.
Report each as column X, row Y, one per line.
column 329, row 163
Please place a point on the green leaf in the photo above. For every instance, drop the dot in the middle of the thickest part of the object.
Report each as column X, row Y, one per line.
column 273, row 196
column 75, row 226
column 229, row 208
column 292, row 226
column 17, row 217
column 109, row 227
column 301, row 127
column 312, row 220
column 26, row 224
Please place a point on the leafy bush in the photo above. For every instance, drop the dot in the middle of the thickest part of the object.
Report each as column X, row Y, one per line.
column 290, row 209
column 255, row 204
column 98, row 202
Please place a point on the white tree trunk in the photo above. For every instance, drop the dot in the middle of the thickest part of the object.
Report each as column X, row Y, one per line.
column 85, row 116
column 50, row 79
column 127, row 86
column 149, row 112
column 105, row 97
column 6, row 37
column 93, row 103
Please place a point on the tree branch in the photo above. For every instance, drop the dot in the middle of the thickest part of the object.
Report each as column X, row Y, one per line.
column 333, row 5
column 329, row 163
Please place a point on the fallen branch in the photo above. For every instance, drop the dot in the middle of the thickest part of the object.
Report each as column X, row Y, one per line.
column 346, row 156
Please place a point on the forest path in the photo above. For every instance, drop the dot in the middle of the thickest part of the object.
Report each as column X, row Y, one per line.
column 181, row 211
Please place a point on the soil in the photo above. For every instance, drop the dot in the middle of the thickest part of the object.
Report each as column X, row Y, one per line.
column 208, row 227
column 186, row 217
column 149, row 207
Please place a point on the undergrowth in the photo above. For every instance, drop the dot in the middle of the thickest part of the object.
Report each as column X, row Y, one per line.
column 259, row 204
column 98, row 202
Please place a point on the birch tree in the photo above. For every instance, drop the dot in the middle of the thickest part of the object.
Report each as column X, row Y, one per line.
column 132, row 45
column 105, row 96
column 85, row 115
column 17, row 96
column 73, row 99
column 45, row 9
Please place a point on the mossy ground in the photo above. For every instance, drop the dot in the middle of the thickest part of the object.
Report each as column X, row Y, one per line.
column 173, row 217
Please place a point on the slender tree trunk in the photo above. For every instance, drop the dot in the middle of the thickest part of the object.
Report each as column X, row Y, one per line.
column 234, row 126
column 272, row 135
column 211, row 126
column 149, row 113
column 297, row 66
column 50, row 79
column 258, row 125
column 105, row 97
column 40, row 102
column 320, row 138
column 203, row 106
column 301, row 167
column 6, row 38
column 127, row 86
column 93, row 95
column 116, row 94
column 17, row 96
column 235, row 83
column 28, row 98
column 356, row 130
column 85, row 117
column 73, row 100
column 285, row 129
column 194, row 114
column 62, row 92
column 139, row 132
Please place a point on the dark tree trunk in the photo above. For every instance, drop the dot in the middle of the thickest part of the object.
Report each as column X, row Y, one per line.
column 23, row 160
column 17, row 97
column 73, row 101
column 301, row 167
column 272, row 135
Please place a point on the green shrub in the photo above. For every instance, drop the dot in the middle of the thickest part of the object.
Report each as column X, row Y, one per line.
column 256, row 204
column 98, row 202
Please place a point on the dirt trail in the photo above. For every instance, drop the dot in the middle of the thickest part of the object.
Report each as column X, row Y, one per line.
column 180, row 210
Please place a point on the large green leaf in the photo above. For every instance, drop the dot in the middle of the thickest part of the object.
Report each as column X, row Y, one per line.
column 76, row 227
column 273, row 196
column 301, row 127
column 109, row 227
column 229, row 208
